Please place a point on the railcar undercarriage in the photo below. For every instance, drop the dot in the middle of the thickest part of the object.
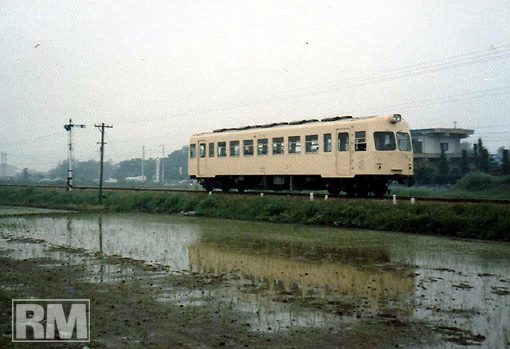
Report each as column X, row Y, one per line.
column 357, row 186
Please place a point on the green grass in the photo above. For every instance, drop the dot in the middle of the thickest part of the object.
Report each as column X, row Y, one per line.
column 481, row 221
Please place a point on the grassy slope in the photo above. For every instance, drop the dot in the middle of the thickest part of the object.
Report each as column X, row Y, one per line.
column 481, row 221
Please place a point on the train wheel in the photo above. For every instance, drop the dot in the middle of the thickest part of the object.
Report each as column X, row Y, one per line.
column 333, row 191
column 241, row 188
column 350, row 191
column 380, row 189
column 225, row 189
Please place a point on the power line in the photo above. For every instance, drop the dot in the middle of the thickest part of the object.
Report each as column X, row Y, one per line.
column 452, row 62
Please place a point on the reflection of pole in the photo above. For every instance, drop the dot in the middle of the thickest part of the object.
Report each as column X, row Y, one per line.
column 101, row 129
column 100, row 228
column 143, row 164
column 69, row 231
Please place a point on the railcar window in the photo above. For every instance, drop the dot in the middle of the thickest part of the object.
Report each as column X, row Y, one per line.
column 384, row 141
column 278, row 146
column 222, row 149
column 403, row 141
column 262, row 147
column 248, row 148
column 327, row 142
column 202, row 150
column 360, row 141
column 192, row 151
column 211, row 150
column 343, row 141
column 312, row 144
column 234, row 148
column 294, row 145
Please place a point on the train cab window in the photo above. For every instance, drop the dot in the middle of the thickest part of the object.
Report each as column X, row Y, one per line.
column 360, row 141
column 234, row 148
column 403, row 141
column 294, row 145
column 248, row 148
column 343, row 141
column 384, row 141
column 312, row 144
column 202, row 150
column 192, row 151
column 278, row 147
column 222, row 149
column 211, row 150
column 262, row 147
column 327, row 143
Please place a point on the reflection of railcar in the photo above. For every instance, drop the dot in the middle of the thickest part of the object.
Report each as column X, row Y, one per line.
column 356, row 155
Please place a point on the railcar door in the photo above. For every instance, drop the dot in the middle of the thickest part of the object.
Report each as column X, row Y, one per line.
column 201, row 159
column 343, row 152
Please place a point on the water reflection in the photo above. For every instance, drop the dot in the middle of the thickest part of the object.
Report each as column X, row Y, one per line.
column 284, row 276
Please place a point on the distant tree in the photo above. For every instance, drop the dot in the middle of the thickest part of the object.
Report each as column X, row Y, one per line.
column 176, row 164
column 476, row 156
column 505, row 166
column 443, row 169
column 464, row 163
column 25, row 175
column 485, row 161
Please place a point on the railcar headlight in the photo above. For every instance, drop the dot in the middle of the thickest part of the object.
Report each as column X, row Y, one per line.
column 396, row 118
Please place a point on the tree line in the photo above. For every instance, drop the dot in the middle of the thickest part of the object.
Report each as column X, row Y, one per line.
column 449, row 171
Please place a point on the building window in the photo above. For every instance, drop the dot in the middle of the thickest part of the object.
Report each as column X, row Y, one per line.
column 278, row 146
column 192, row 151
column 294, row 145
column 403, row 141
column 327, row 143
column 343, row 141
column 384, row 141
column 248, row 148
column 262, row 147
column 202, row 150
column 444, row 147
column 234, row 148
column 222, row 149
column 360, row 141
column 418, row 147
column 312, row 144
column 211, row 150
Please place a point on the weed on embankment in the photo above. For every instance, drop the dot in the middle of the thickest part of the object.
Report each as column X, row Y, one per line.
column 466, row 220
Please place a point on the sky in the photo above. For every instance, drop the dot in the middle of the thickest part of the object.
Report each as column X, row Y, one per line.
column 159, row 71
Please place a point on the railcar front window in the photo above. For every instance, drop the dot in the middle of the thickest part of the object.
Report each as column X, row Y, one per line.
column 294, row 145
column 384, row 141
column 360, row 141
column 202, row 150
column 403, row 141
column 234, row 148
column 262, row 147
column 192, row 151
column 278, row 146
column 248, row 148
column 222, row 149
column 211, row 150
column 312, row 144
column 327, row 143
column 343, row 141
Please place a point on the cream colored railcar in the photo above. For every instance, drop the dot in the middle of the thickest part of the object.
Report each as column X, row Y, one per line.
column 355, row 155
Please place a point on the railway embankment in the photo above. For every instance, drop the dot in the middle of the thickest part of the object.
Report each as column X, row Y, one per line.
column 465, row 220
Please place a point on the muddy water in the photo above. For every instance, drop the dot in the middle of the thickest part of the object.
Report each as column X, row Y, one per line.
column 285, row 277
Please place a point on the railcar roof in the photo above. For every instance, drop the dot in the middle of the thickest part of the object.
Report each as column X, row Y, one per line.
column 280, row 124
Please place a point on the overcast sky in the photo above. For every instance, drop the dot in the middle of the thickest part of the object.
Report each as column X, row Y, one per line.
column 161, row 70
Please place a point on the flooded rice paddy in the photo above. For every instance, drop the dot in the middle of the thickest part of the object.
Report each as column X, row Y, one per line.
column 249, row 284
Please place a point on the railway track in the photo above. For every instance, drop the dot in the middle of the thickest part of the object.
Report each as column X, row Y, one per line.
column 280, row 194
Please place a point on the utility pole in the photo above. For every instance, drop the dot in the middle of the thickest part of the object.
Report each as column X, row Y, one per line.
column 162, row 163
column 101, row 128
column 4, row 164
column 70, row 156
column 143, row 163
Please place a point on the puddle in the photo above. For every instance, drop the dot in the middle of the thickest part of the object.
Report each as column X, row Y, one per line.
column 285, row 277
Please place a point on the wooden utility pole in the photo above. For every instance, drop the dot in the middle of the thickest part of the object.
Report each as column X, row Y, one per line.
column 101, row 128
